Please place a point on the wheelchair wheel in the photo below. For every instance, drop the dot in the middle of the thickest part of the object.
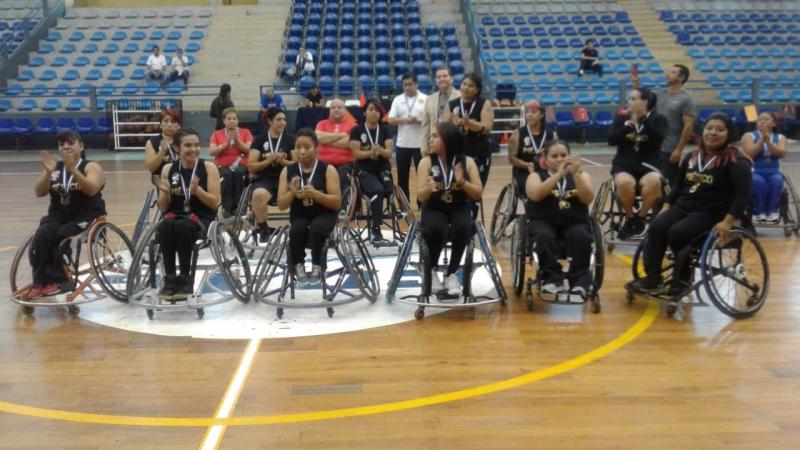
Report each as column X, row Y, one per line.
column 402, row 207
column 791, row 213
column 242, row 226
column 270, row 261
column 503, row 213
column 145, row 270
column 402, row 260
column 359, row 263
column 599, row 257
column 519, row 244
column 427, row 270
column 490, row 263
column 144, row 216
column 21, row 276
column 735, row 273
column 232, row 261
column 110, row 257
column 598, row 210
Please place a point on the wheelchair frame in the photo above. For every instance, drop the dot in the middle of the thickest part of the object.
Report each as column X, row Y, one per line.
column 435, row 300
column 700, row 259
column 396, row 211
column 789, row 210
column 80, row 285
column 505, row 211
column 523, row 253
column 145, row 282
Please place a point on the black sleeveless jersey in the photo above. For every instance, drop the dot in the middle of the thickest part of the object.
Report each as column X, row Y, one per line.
column 476, row 145
column 531, row 150
column 69, row 203
column 297, row 207
column 176, row 194
column 264, row 143
column 559, row 208
column 446, row 200
column 170, row 157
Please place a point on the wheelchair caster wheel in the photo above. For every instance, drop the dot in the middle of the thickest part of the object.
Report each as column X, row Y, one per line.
column 671, row 310
column 610, row 247
column 330, row 312
column 595, row 304
column 27, row 310
column 629, row 297
column 787, row 232
column 200, row 313
column 419, row 314
column 280, row 313
column 150, row 314
column 529, row 302
column 73, row 310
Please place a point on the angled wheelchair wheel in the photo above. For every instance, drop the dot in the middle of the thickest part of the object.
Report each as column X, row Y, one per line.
column 735, row 273
column 598, row 210
column 599, row 257
column 270, row 261
column 403, row 259
column 490, row 263
column 359, row 263
column 402, row 207
column 503, row 213
column 21, row 276
column 519, row 243
column 244, row 222
column 231, row 259
column 791, row 212
column 110, row 257
column 146, row 217
column 145, row 272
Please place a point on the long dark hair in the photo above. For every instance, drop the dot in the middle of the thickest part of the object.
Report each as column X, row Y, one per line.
column 730, row 152
column 224, row 90
column 476, row 80
column 452, row 141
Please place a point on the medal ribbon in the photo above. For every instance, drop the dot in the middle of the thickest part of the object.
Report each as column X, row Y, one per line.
column 377, row 135
column 277, row 146
column 536, row 148
column 310, row 177
column 67, row 181
column 471, row 108
column 187, row 193
column 447, row 178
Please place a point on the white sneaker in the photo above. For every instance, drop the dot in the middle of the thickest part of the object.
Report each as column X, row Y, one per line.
column 773, row 217
column 551, row 288
column 436, row 285
column 452, row 284
column 760, row 217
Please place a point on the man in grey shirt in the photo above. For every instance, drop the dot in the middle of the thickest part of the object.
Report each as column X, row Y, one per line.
column 678, row 107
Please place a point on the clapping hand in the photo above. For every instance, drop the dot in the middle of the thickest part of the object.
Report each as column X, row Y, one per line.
column 294, row 185
column 195, row 185
column 48, row 161
column 433, row 185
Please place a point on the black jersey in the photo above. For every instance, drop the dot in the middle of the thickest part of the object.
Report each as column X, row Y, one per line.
column 561, row 206
column 639, row 144
column 447, row 199
column 170, row 156
column 266, row 144
column 302, row 207
column 476, row 145
column 68, row 202
column 529, row 149
column 177, row 196
column 720, row 185
column 359, row 133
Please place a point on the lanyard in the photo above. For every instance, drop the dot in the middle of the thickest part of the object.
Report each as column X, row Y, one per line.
column 471, row 108
column 172, row 156
column 67, row 181
column 536, row 148
column 447, row 178
column 277, row 146
column 410, row 105
column 700, row 166
column 187, row 193
column 310, row 177
column 561, row 186
column 640, row 126
column 369, row 136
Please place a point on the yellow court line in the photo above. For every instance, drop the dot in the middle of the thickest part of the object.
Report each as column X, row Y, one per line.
column 215, row 433
column 636, row 330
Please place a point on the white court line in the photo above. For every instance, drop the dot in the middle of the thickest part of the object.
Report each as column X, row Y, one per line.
column 594, row 163
column 105, row 171
column 215, row 433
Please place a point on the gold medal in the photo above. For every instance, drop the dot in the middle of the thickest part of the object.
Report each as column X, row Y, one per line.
column 563, row 204
column 464, row 130
column 64, row 199
column 186, row 207
column 447, row 197
column 694, row 188
column 308, row 202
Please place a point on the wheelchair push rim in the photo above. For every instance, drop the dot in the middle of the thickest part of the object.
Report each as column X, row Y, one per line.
column 110, row 256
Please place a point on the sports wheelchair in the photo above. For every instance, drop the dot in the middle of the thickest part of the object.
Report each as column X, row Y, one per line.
column 733, row 275
column 217, row 255
column 274, row 276
column 523, row 252
column 110, row 253
column 505, row 211
column 607, row 209
column 789, row 210
column 149, row 215
column 243, row 224
column 397, row 213
column 422, row 267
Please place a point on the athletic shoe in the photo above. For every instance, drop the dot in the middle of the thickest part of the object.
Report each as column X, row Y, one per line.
column 552, row 287
column 760, row 218
column 773, row 217
column 300, row 273
column 316, row 274
column 51, row 289
column 646, row 285
column 33, row 293
column 167, row 292
column 626, row 230
column 452, row 285
column 579, row 291
column 638, row 226
column 436, row 285
column 264, row 233
column 377, row 238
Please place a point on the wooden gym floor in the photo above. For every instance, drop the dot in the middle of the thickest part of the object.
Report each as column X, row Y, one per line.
column 560, row 376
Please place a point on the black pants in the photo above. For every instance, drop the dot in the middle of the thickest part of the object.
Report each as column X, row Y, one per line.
column 668, row 169
column 440, row 227
column 44, row 255
column 404, row 156
column 520, row 179
column 587, row 67
column 484, row 162
column 577, row 238
column 311, row 230
column 178, row 235
column 677, row 229
column 184, row 76
column 232, row 187
column 376, row 187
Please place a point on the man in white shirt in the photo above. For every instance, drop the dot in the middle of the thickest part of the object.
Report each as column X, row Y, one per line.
column 304, row 63
column 180, row 68
column 406, row 113
column 156, row 63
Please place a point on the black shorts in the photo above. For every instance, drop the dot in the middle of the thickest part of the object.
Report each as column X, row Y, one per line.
column 271, row 185
column 637, row 173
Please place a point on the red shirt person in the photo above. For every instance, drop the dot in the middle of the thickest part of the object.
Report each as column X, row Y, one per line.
column 334, row 140
column 230, row 147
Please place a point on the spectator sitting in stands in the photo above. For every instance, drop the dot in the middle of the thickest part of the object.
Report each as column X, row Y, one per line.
column 590, row 60
column 180, row 68
column 272, row 100
column 304, row 63
column 313, row 97
column 156, row 63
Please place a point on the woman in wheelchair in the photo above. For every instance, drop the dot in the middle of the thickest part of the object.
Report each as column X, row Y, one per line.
column 269, row 154
column 638, row 136
column 448, row 186
column 230, row 147
column 559, row 198
column 526, row 144
column 75, row 186
column 160, row 150
column 371, row 145
column 711, row 192
column 188, row 195
column 310, row 189
column 766, row 147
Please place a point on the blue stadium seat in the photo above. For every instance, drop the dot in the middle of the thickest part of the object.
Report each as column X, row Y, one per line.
column 23, row 126
column 111, row 47
column 89, row 48
column 119, row 36
column 107, row 89
column 65, row 124
column 564, row 118
column 102, row 61
column 192, row 47
column 45, row 125
column 346, row 86
column 584, row 98
column 384, row 83
column 66, row 49
column 70, row 75
column 98, row 36
column 367, row 83
column 51, row 104
column 93, row 75
column 47, row 75
column 76, row 36
column 62, row 89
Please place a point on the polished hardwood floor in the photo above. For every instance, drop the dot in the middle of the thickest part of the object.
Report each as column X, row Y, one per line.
column 704, row 382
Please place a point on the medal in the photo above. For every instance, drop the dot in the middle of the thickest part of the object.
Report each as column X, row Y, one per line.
column 700, row 169
column 536, row 148
column 447, row 178
column 307, row 201
column 273, row 148
column 447, row 197
column 66, row 182
column 374, row 142
column 462, row 110
column 561, row 187
column 187, row 193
